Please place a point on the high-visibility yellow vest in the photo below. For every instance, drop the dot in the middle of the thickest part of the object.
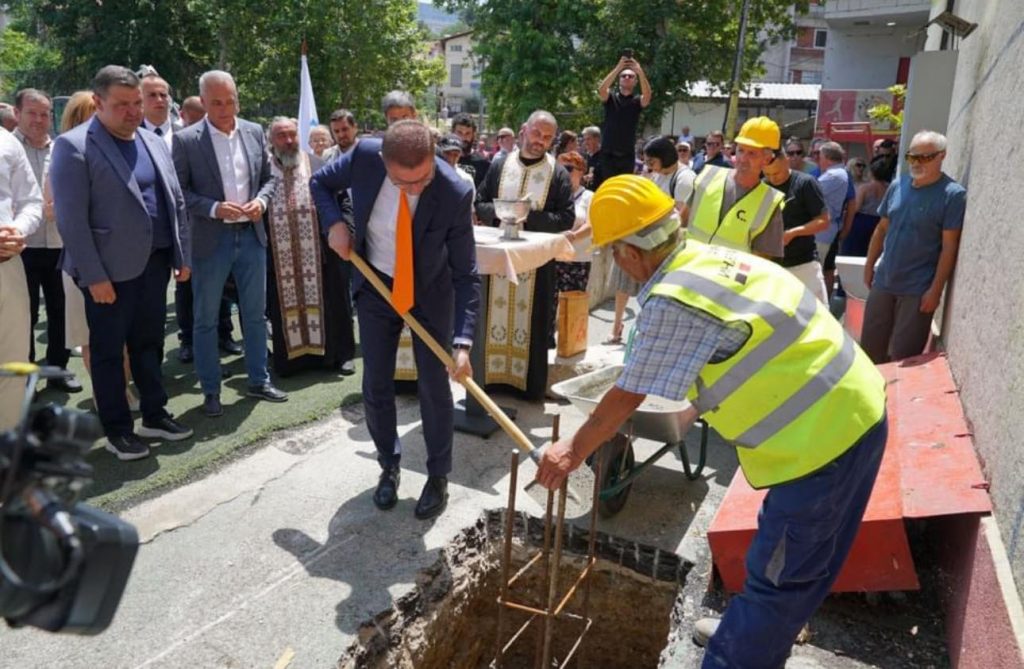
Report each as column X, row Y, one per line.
column 799, row 392
column 742, row 223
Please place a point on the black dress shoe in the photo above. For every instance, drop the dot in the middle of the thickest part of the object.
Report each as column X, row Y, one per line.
column 386, row 494
column 68, row 384
column 211, row 406
column 230, row 346
column 267, row 392
column 433, row 499
column 185, row 354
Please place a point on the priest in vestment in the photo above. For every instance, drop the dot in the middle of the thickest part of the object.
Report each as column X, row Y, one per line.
column 519, row 316
column 310, row 314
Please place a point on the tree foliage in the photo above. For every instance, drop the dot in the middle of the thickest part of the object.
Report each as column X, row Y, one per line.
column 23, row 62
column 552, row 54
column 357, row 50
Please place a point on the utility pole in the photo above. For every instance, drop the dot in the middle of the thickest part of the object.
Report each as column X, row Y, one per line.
column 732, row 111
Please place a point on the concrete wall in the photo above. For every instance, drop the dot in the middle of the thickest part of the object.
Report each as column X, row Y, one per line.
column 868, row 56
column 984, row 328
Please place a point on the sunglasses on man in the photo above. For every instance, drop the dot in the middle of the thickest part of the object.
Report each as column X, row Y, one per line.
column 921, row 158
column 795, row 152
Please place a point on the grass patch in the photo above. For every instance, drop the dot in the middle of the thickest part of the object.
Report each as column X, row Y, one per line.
column 245, row 424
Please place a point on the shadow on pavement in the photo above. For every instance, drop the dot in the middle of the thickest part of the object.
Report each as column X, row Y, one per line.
column 364, row 546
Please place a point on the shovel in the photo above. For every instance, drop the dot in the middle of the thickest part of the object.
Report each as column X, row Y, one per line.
column 581, row 481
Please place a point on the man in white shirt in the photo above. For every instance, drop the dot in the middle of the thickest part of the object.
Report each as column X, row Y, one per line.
column 224, row 169
column 21, row 210
column 156, row 105
column 41, row 256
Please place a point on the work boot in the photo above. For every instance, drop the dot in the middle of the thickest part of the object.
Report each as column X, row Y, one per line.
column 704, row 629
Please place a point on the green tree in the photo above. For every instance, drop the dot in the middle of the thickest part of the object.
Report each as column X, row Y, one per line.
column 24, row 62
column 357, row 50
column 553, row 53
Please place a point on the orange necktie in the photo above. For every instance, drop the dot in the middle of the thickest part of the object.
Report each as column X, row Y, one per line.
column 402, row 292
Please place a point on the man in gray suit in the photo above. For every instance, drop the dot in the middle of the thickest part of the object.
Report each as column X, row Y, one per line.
column 224, row 170
column 121, row 214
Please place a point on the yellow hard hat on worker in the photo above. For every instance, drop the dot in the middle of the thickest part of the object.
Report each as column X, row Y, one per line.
column 760, row 132
column 632, row 209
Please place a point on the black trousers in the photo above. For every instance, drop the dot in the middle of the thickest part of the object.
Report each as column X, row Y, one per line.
column 183, row 312
column 136, row 319
column 42, row 271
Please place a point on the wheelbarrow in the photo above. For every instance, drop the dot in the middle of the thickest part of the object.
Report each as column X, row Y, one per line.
column 656, row 419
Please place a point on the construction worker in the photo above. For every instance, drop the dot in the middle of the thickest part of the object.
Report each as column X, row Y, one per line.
column 770, row 369
column 731, row 206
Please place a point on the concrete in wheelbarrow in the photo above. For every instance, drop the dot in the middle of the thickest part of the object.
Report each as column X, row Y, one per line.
column 275, row 560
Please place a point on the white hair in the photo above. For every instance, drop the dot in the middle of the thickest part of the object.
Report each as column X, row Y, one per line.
column 936, row 139
column 214, row 77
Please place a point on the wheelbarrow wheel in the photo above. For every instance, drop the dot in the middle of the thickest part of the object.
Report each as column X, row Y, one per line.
column 617, row 460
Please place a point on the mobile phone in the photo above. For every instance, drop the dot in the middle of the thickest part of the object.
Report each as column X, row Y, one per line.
column 627, row 53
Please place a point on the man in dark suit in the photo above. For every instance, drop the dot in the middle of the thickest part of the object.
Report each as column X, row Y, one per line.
column 224, row 170
column 121, row 214
column 409, row 208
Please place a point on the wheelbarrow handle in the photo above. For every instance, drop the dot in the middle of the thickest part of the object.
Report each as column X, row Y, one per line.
column 444, row 356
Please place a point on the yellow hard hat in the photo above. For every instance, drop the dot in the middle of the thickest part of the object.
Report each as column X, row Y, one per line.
column 760, row 132
column 624, row 205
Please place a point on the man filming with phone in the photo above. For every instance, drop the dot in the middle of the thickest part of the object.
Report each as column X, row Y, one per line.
column 622, row 109
column 618, row 154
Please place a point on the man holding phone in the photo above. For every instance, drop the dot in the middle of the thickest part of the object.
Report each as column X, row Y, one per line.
column 618, row 153
column 622, row 114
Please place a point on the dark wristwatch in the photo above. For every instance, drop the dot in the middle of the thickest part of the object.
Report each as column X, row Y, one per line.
column 461, row 347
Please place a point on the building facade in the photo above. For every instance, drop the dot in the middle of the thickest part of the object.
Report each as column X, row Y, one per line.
column 461, row 89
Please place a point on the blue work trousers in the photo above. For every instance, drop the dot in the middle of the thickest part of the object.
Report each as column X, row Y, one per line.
column 804, row 533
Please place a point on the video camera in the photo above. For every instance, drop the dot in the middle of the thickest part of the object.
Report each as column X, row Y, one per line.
column 63, row 565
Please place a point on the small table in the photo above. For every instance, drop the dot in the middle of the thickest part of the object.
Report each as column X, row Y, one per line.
column 505, row 259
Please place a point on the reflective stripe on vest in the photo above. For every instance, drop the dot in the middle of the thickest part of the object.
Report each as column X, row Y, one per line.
column 798, row 392
column 731, row 230
column 786, row 331
column 813, row 390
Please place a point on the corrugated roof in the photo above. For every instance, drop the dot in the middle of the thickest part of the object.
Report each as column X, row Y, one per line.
column 767, row 90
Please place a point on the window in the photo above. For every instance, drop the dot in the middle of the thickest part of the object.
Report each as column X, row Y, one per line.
column 455, row 47
column 820, row 38
column 455, row 75
column 811, row 77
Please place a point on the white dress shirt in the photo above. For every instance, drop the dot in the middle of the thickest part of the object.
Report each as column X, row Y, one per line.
column 46, row 235
column 233, row 164
column 166, row 130
column 380, row 230
column 21, row 201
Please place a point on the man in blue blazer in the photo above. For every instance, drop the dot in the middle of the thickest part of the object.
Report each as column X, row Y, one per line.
column 121, row 214
column 386, row 176
column 224, row 170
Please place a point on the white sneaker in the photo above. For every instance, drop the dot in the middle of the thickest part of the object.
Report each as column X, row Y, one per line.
column 704, row 629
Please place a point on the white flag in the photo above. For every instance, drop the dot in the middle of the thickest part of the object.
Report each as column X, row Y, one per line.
column 307, row 106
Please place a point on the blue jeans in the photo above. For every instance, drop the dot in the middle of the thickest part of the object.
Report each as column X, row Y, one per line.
column 805, row 530
column 240, row 253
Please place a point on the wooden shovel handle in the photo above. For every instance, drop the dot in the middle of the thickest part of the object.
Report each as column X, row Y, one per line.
column 471, row 386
